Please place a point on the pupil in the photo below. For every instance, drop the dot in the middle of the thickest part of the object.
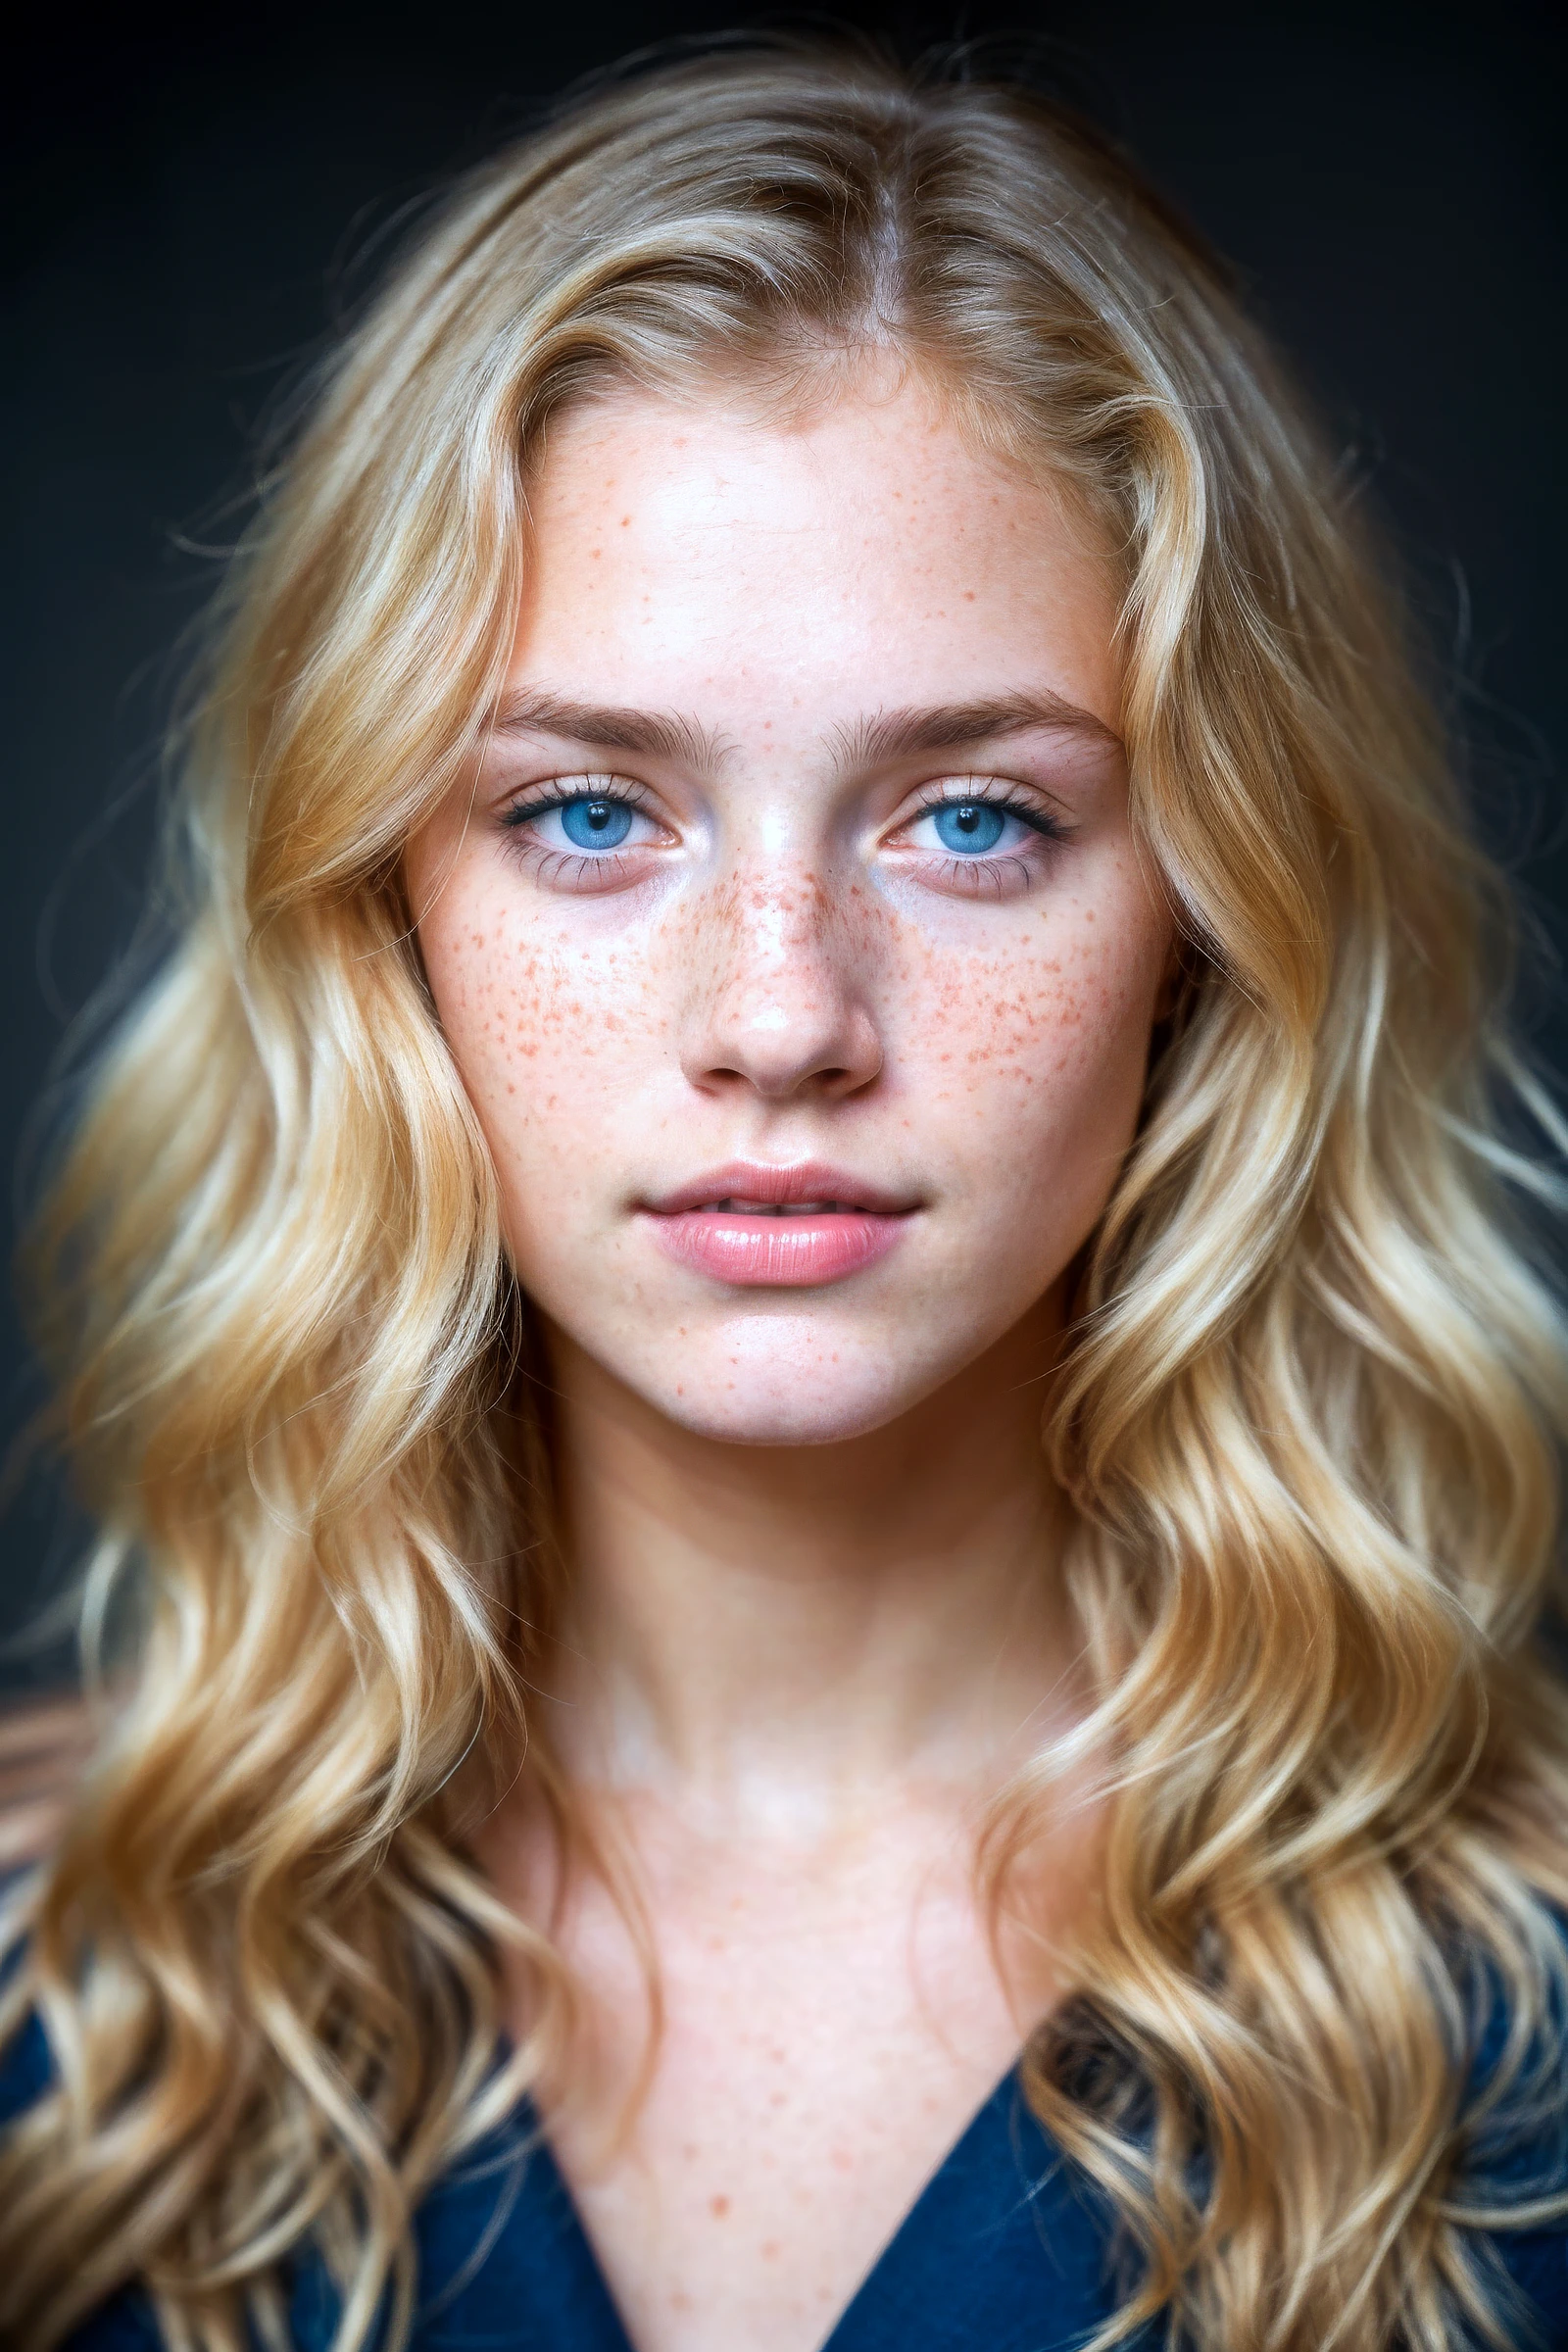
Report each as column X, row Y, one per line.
column 969, row 825
column 596, row 824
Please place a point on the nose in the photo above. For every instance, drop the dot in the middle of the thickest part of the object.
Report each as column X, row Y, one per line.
column 777, row 1000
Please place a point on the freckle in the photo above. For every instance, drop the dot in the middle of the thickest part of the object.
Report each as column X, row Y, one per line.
column 842, row 2160
column 718, row 2207
column 969, row 596
column 625, row 521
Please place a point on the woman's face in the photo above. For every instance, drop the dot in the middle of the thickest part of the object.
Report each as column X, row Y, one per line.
column 792, row 942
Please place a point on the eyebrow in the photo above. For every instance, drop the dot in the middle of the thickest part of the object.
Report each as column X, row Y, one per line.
column 954, row 726
column 872, row 742
column 662, row 734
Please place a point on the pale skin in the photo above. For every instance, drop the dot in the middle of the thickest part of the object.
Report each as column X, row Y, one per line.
column 816, row 1621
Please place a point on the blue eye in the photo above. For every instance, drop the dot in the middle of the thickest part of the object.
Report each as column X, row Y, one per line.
column 974, row 826
column 595, row 824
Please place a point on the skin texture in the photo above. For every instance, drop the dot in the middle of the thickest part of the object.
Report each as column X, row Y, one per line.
column 815, row 1622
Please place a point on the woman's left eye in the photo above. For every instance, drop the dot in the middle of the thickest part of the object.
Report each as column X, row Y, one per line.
column 976, row 828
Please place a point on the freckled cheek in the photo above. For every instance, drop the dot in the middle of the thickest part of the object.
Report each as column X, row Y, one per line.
column 546, row 1036
column 1043, row 1051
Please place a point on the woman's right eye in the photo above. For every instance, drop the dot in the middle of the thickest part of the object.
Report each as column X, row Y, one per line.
column 568, row 833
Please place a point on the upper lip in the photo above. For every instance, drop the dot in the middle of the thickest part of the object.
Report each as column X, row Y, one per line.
column 766, row 1181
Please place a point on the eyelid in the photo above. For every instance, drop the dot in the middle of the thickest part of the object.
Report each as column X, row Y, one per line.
column 523, row 819
column 574, row 784
column 1012, row 793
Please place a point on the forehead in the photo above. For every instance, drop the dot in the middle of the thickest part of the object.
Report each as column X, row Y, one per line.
column 862, row 553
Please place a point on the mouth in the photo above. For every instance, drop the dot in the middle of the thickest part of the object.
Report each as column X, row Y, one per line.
column 762, row 1226
column 739, row 1207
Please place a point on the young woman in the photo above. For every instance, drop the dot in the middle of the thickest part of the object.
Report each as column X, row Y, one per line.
column 828, row 1477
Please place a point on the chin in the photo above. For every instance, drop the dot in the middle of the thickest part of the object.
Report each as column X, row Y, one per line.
column 778, row 1416
column 778, row 1382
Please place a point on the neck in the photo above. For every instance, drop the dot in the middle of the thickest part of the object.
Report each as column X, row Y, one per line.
column 776, row 1630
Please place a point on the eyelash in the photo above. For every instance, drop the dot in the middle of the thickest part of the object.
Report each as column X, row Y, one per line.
column 559, row 793
column 561, row 867
column 996, row 874
column 993, row 793
column 993, row 873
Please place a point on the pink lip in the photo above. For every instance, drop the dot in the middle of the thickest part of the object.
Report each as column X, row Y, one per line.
column 727, row 1224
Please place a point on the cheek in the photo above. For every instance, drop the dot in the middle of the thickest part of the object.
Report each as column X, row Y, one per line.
column 1033, row 1057
column 550, row 1035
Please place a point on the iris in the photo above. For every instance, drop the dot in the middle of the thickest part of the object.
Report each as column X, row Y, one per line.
column 595, row 824
column 969, row 825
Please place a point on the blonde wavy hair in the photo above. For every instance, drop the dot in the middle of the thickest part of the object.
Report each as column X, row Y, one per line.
column 1310, row 1418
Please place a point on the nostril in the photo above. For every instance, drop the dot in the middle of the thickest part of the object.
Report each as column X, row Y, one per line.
column 777, row 1022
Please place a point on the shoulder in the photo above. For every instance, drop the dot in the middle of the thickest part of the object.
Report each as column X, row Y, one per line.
column 42, row 1747
column 125, row 2323
column 1511, row 2190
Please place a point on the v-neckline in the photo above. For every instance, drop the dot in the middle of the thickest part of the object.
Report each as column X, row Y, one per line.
column 1002, row 2120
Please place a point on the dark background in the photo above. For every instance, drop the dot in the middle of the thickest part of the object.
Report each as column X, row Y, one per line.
column 183, row 198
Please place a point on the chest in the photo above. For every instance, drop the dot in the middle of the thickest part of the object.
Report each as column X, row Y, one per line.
column 763, row 2088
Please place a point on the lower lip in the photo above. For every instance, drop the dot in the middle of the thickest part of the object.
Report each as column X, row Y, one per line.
column 777, row 1252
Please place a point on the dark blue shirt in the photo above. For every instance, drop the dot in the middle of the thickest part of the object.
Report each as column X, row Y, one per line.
column 1005, row 2250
